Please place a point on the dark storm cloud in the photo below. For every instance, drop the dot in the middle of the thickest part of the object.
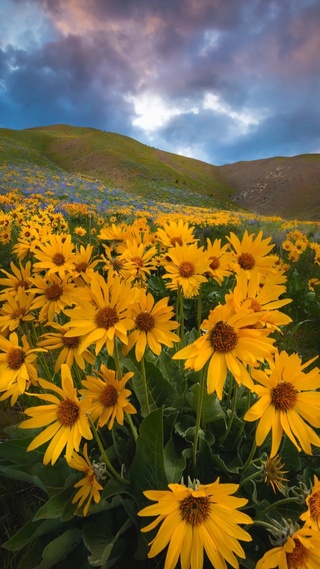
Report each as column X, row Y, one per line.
column 89, row 62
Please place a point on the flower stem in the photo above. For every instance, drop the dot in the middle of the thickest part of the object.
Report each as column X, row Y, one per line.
column 104, row 455
column 251, row 477
column 145, row 386
column 199, row 414
column 233, row 412
column 250, row 457
column 132, row 427
column 180, row 313
column 199, row 309
column 279, row 503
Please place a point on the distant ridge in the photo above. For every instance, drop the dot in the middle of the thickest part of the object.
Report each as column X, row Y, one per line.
column 285, row 187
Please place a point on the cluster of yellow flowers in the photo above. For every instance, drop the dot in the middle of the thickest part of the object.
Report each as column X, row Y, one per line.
column 99, row 303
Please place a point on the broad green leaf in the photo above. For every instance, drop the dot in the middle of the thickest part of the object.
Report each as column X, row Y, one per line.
column 172, row 373
column 58, row 549
column 174, row 462
column 29, row 532
column 147, row 469
column 53, row 508
column 100, row 541
column 15, row 451
column 211, row 409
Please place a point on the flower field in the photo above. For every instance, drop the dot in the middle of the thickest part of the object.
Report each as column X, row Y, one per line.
column 159, row 383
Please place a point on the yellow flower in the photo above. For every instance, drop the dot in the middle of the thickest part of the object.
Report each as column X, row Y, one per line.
column 107, row 397
column 89, row 487
column 69, row 347
column 84, row 265
column 16, row 310
column 105, row 316
column 56, row 256
column 311, row 517
column 65, row 415
column 252, row 252
column 229, row 343
column 173, row 232
column 19, row 278
column 17, row 364
column 138, row 259
column 185, row 266
column 301, row 550
column 287, row 399
column 220, row 260
column 261, row 296
column 153, row 325
column 53, row 295
column 196, row 519
column 273, row 473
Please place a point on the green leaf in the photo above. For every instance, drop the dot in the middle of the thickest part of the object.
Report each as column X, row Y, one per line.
column 29, row 532
column 15, row 451
column 100, row 541
column 147, row 469
column 171, row 372
column 161, row 391
column 174, row 462
column 54, row 507
column 23, row 472
column 58, row 549
column 211, row 408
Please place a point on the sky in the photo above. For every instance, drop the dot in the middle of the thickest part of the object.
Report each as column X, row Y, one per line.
column 216, row 80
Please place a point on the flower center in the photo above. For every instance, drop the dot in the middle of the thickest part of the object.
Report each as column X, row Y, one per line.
column 58, row 259
column 298, row 557
column 18, row 313
column 215, row 263
column 24, row 284
column 255, row 305
column 68, row 413
column 314, row 506
column 15, row 358
column 54, row 292
column 195, row 511
column 81, row 267
column 223, row 337
column 246, row 261
column 137, row 261
column 145, row 321
column 186, row 269
column 109, row 396
column 117, row 264
column 284, row 396
column 71, row 342
column 106, row 317
column 175, row 240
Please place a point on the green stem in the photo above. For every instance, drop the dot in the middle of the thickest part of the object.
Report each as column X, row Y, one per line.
column 132, row 427
column 250, row 457
column 279, row 503
column 233, row 412
column 199, row 309
column 104, row 455
column 145, row 386
column 199, row 414
column 251, row 477
column 181, row 314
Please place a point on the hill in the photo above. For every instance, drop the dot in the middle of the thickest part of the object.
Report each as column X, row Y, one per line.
column 287, row 187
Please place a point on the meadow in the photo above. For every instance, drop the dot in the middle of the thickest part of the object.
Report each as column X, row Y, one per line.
column 159, row 382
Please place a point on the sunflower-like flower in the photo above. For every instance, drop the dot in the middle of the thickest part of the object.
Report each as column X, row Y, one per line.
column 65, row 415
column 262, row 296
column 53, row 295
column 272, row 471
column 186, row 266
column 17, row 309
column 153, row 325
column 230, row 342
column 252, row 252
column 311, row 517
column 107, row 397
column 220, row 260
column 69, row 347
column 84, row 264
column 194, row 519
column 173, row 232
column 56, row 256
column 89, row 487
column 17, row 363
column 18, row 278
column 287, row 398
column 138, row 259
column 301, row 550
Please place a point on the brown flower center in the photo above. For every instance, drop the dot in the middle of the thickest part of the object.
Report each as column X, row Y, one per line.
column 145, row 321
column 58, row 259
column 215, row 263
column 106, row 317
column 81, row 267
column 137, row 261
column 298, row 557
column 186, row 269
column 54, row 292
column 117, row 264
column 18, row 313
column 71, row 342
column 68, row 412
column 195, row 511
column 314, row 506
column 15, row 358
column 284, row 396
column 23, row 284
column 223, row 337
column 175, row 240
column 246, row 261
column 109, row 396
column 255, row 305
